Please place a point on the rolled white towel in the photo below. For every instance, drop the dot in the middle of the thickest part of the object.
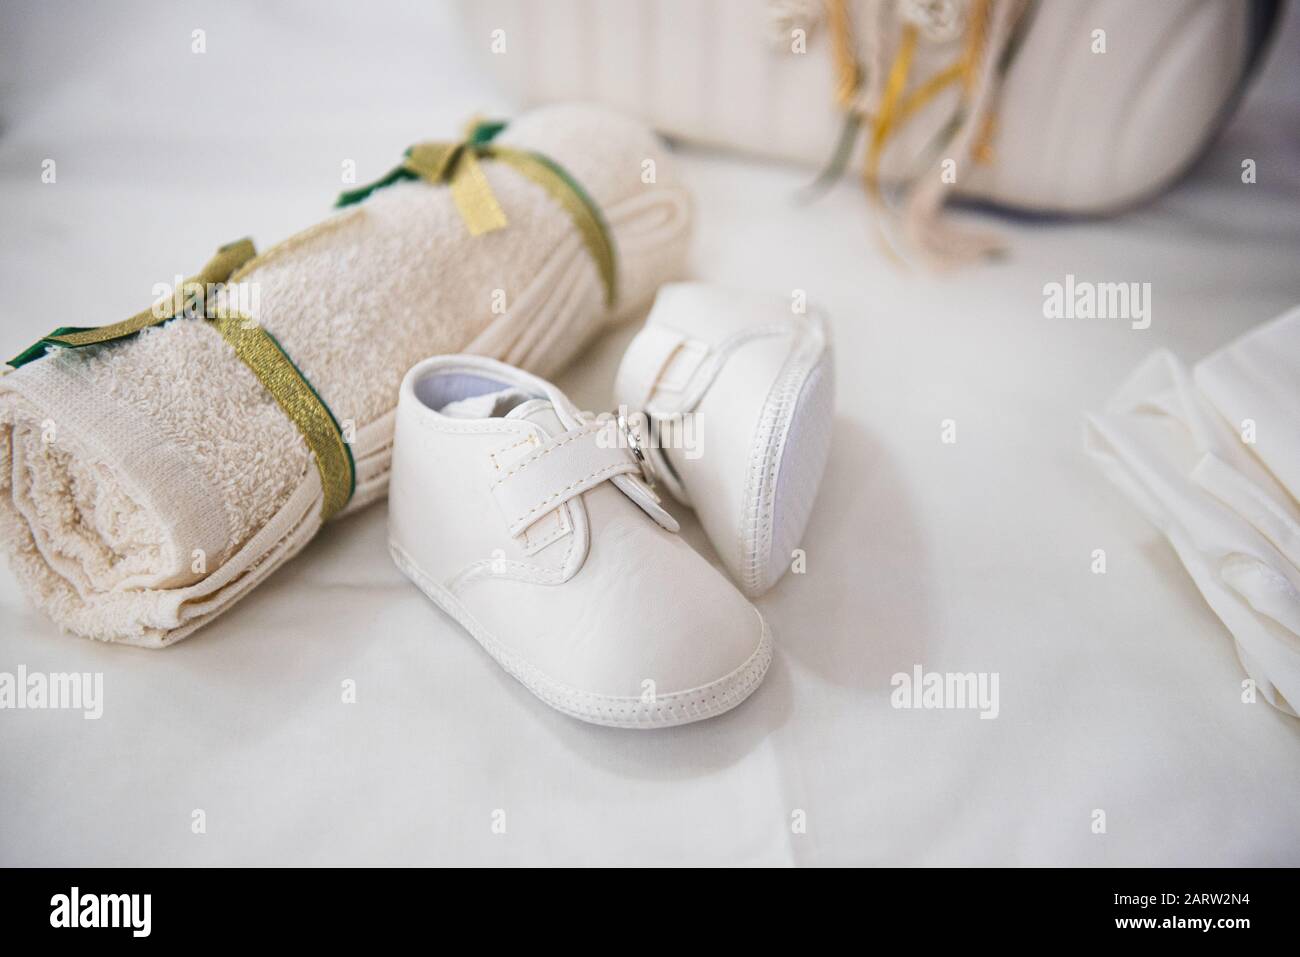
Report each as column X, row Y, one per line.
column 146, row 485
column 1212, row 457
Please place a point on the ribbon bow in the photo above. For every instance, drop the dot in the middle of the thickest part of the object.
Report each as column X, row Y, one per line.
column 456, row 165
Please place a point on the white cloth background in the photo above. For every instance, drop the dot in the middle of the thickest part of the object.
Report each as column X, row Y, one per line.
column 1119, row 692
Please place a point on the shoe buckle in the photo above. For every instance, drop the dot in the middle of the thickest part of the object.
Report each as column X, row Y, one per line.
column 637, row 447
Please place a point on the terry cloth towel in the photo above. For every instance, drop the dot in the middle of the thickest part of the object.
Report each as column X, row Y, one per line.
column 147, row 485
column 1212, row 456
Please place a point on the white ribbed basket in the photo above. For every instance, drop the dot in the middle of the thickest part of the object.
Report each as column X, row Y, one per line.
column 1077, row 131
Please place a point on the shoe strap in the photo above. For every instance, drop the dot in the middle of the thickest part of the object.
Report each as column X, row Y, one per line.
column 659, row 363
column 665, row 371
column 561, row 469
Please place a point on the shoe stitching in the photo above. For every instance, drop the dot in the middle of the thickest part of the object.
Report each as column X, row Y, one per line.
column 627, row 711
column 524, row 571
column 527, row 440
column 481, row 428
column 563, row 527
column 535, row 457
column 755, row 538
column 543, row 506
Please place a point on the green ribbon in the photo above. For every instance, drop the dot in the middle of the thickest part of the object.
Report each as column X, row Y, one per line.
column 255, row 347
column 184, row 300
column 456, row 165
column 478, row 136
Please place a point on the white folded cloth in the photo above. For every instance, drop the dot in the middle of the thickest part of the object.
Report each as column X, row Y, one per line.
column 1212, row 457
column 146, row 485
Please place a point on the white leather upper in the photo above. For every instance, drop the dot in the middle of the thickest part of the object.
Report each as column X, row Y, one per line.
column 737, row 364
column 534, row 528
column 694, row 329
column 557, row 470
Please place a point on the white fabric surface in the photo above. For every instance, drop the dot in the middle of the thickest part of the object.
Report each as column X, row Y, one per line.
column 1118, row 692
column 1212, row 456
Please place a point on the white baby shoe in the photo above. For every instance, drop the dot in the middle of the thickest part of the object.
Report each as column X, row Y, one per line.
column 533, row 526
column 738, row 391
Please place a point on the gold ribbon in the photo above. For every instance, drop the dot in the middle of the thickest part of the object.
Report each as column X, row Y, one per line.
column 848, row 75
column 453, row 164
column 457, row 166
column 896, row 108
column 887, row 116
column 580, row 207
column 260, row 351
column 217, row 270
column 256, row 348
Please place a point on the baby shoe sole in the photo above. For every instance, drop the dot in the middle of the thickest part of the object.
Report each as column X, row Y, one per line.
column 662, row 711
column 791, row 447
